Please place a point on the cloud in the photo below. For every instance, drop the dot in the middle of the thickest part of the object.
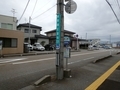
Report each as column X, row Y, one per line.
column 93, row 17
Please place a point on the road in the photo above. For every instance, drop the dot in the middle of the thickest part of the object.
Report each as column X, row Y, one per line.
column 18, row 72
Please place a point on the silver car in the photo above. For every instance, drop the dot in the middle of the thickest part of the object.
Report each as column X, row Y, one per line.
column 38, row 46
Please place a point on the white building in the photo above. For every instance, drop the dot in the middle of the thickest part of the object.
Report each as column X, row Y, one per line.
column 8, row 22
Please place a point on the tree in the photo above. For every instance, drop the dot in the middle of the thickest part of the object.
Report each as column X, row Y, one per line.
column 43, row 43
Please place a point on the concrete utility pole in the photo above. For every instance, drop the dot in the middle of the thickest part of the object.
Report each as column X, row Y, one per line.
column 29, row 30
column 59, row 50
column 86, row 41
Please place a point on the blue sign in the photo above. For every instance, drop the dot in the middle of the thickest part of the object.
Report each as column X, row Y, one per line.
column 58, row 28
column 66, row 40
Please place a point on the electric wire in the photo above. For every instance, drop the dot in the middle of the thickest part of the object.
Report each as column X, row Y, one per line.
column 34, row 8
column 44, row 12
column 44, row 5
column 113, row 11
column 118, row 4
column 24, row 10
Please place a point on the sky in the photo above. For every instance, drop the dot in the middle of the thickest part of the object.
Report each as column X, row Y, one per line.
column 93, row 19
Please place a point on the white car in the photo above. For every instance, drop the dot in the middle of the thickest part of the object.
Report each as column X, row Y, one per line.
column 38, row 46
column 30, row 47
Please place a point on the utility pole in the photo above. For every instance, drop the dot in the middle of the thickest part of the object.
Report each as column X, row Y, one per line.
column 86, row 41
column 60, row 40
column 110, row 45
column 110, row 40
column 29, row 30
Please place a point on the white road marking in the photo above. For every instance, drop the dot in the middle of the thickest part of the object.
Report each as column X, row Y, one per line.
column 87, row 53
column 11, row 60
column 22, row 62
column 52, row 58
column 33, row 61
column 88, row 58
column 80, row 60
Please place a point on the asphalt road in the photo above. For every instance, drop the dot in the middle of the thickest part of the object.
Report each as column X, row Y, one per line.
column 18, row 72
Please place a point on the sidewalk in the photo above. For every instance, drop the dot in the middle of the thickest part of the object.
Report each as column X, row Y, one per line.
column 82, row 76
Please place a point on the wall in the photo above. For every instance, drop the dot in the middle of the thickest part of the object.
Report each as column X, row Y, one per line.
column 13, row 34
column 26, row 35
column 46, row 41
column 8, row 19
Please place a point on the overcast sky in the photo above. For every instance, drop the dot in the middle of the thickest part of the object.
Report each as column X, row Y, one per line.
column 93, row 18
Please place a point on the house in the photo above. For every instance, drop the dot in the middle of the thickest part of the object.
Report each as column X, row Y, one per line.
column 12, row 40
column 73, row 41
column 33, row 34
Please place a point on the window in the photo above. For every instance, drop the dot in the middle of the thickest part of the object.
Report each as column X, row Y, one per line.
column 7, row 26
column 9, row 42
column 34, row 31
column 26, row 30
column 13, row 42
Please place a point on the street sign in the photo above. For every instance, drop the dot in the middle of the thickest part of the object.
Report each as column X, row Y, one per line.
column 70, row 7
column 58, row 27
column 66, row 40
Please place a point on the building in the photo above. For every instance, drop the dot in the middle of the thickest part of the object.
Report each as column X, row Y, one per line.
column 8, row 22
column 12, row 40
column 33, row 34
column 73, row 41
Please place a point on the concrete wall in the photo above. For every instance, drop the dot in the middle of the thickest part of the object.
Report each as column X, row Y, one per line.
column 46, row 41
column 4, row 33
column 8, row 20
column 26, row 35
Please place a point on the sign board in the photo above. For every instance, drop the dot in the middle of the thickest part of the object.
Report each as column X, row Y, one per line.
column 0, row 45
column 70, row 7
column 66, row 40
column 58, row 28
column 66, row 52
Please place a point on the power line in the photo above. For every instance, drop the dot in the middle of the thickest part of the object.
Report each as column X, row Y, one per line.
column 34, row 7
column 47, row 17
column 44, row 12
column 113, row 11
column 44, row 5
column 24, row 10
column 118, row 4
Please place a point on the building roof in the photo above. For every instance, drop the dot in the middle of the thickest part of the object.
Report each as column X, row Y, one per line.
column 31, row 25
column 66, row 31
column 41, row 36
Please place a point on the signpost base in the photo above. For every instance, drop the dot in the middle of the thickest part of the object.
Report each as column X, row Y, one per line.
column 67, row 73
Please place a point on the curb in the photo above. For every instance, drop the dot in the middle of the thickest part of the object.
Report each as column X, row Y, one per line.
column 28, row 54
column 100, row 59
column 46, row 78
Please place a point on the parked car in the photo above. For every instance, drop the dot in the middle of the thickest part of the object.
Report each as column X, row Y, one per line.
column 107, row 47
column 29, row 46
column 38, row 46
column 49, row 47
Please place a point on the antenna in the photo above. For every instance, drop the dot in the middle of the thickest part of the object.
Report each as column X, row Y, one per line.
column 13, row 11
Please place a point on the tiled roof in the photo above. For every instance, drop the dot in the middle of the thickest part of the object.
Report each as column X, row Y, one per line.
column 55, row 31
column 27, row 25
